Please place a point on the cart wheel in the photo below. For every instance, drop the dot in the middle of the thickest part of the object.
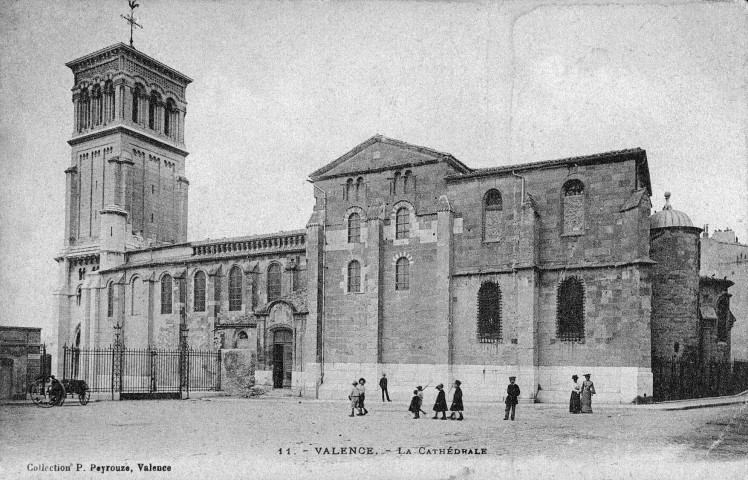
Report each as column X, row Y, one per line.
column 46, row 391
column 84, row 397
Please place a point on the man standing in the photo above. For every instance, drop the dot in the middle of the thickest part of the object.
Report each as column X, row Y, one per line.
column 512, row 394
column 383, row 387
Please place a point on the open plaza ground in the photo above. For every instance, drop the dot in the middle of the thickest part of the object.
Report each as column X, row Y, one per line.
column 225, row 437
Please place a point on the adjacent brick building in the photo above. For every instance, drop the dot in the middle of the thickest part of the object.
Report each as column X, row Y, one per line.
column 412, row 263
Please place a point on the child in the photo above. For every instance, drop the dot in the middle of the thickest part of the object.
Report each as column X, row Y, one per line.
column 353, row 397
column 441, row 403
column 361, row 394
column 420, row 396
column 457, row 401
column 415, row 405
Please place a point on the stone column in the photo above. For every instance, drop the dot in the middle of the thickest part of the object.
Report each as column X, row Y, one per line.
column 60, row 328
column 444, row 265
column 76, row 112
column 71, row 187
column 183, row 193
column 313, row 337
column 373, row 287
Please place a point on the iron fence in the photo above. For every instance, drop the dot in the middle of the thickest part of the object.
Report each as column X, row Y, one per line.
column 679, row 379
column 143, row 371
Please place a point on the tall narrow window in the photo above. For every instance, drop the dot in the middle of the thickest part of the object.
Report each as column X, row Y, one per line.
column 97, row 105
column 489, row 313
column 402, row 223
column 198, row 293
column 395, row 182
column 723, row 318
column 348, row 189
column 217, row 295
column 492, row 206
column 110, row 300
column 354, row 228
column 274, row 282
column 137, row 92
column 78, row 295
column 166, row 294
column 354, row 277
column 573, row 207
column 235, row 289
column 402, row 274
column 134, row 296
column 407, row 181
column 153, row 107
column 570, row 310
column 168, row 120
column 108, row 101
column 359, row 188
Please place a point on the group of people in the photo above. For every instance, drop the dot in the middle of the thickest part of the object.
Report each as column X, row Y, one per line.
column 440, row 406
column 581, row 395
column 580, row 402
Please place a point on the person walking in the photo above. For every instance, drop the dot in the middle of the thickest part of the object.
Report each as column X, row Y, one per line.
column 420, row 395
column 588, row 389
column 415, row 405
column 512, row 394
column 361, row 396
column 441, row 403
column 456, row 401
column 574, row 404
column 383, row 387
column 353, row 397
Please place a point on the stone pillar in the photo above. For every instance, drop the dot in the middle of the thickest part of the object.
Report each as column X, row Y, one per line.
column 373, row 287
column 527, row 288
column 150, row 288
column 71, row 193
column 180, row 125
column 444, row 265
column 313, row 337
column 182, row 199
column 61, row 328
column 76, row 112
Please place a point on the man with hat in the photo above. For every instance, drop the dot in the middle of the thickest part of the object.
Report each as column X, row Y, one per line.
column 512, row 394
column 383, row 387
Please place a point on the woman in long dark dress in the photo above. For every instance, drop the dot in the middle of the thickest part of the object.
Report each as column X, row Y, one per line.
column 575, row 406
column 588, row 389
column 441, row 402
column 457, row 402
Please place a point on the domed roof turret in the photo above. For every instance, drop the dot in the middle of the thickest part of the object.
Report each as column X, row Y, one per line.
column 668, row 217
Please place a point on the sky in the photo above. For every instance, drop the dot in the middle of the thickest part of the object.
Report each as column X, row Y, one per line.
column 283, row 88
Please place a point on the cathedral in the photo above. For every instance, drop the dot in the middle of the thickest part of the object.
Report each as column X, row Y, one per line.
column 411, row 264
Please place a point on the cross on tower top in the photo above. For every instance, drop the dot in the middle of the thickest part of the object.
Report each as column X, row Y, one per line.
column 131, row 18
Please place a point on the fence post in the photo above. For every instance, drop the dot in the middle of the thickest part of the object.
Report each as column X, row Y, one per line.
column 218, row 383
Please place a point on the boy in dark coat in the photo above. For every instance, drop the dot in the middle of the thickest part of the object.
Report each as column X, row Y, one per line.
column 456, row 401
column 415, row 405
column 383, row 387
column 441, row 403
column 512, row 394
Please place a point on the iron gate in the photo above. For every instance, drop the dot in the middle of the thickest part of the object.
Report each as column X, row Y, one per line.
column 144, row 373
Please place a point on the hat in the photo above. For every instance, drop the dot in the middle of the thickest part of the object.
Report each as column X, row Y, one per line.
column 355, row 383
column 512, row 378
column 587, row 375
column 458, row 383
column 574, row 377
column 419, row 387
column 362, row 380
column 441, row 385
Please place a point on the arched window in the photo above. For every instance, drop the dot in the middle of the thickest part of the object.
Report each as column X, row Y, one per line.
column 402, row 223
column 402, row 274
column 78, row 295
column 83, row 109
column 235, row 289
column 723, row 318
column 348, row 192
column 242, row 335
column 570, row 310
column 359, row 188
column 573, row 206
column 354, row 228
column 134, row 296
column 489, row 313
column 274, row 282
column 110, row 300
column 153, row 108
column 407, row 181
column 168, row 118
column 166, row 294
column 137, row 93
column 217, row 295
column 108, row 101
column 198, row 293
column 354, row 277
column 492, row 206
column 97, row 105
column 395, row 182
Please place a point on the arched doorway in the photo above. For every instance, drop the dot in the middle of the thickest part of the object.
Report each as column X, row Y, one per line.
column 282, row 357
column 6, row 378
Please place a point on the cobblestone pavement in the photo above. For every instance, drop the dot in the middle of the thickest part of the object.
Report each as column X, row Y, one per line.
column 287, row 438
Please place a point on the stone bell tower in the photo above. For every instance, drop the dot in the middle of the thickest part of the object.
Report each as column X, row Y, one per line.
column 125, row 187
